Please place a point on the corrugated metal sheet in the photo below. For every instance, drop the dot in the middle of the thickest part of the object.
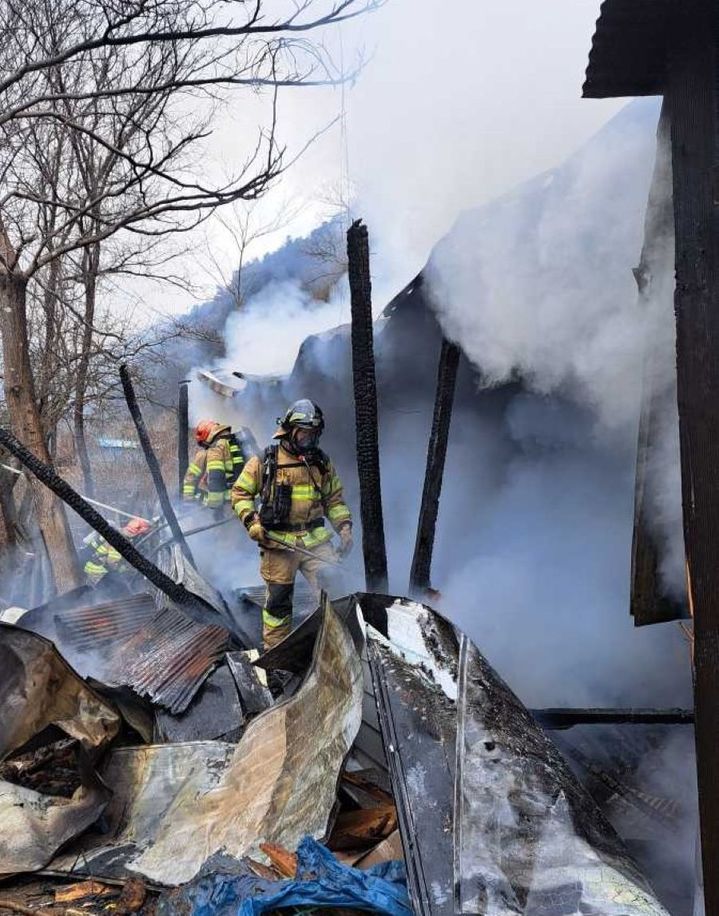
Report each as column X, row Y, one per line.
column 629, row 48
column 93, row 628
column 169, row 658
column 161, row 653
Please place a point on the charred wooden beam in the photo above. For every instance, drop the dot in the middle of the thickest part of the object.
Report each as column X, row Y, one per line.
column 420, row 573
column 152, row 462
column 183, row 426
column 47, row 476
column 692, row 95
column 655, row 278
column 567, row 718
column 365, row 395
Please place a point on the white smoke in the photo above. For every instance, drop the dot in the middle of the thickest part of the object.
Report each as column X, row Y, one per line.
column 264, row 337
column 539, row 286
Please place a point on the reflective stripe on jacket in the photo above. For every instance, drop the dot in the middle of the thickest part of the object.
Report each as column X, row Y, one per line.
column 314, row 495
column 206, row 475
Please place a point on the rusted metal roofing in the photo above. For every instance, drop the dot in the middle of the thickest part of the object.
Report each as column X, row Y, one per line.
column 93, row 628
column 629, row 48
column 161, row 653
column 169, row 658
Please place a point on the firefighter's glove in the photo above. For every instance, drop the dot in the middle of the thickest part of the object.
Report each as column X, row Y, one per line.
column 346, row 542
column 257, row 532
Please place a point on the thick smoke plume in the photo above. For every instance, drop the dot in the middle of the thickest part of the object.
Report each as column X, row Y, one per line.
column 535, row 522
column 534, row 536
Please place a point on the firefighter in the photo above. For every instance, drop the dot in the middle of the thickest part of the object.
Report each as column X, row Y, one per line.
column 217, row 463
column 297, row 487
column 102, row 558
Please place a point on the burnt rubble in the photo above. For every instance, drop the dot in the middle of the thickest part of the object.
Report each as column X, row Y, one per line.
column 385, row 736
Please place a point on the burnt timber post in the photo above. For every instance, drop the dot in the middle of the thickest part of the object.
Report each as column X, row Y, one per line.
column 692, row 96
column 420, row 573
column 152, row 462
column 183, row 426
column 365, row 396
column 648, row 603
column 671, row 48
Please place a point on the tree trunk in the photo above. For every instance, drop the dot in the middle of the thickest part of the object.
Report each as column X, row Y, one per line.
column 365, row 393
column 26, row 424
column 91, row 264
column 8, row 510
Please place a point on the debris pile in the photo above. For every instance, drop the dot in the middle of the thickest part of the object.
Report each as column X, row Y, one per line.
column 372, row 760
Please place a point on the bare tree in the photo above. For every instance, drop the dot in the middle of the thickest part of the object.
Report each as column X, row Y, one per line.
column 243, row 227
column 120, row 79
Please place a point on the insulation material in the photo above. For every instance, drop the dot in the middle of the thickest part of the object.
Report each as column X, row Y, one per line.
column 175, row 806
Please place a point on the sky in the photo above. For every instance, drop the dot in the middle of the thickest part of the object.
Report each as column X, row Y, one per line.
column 455, row 105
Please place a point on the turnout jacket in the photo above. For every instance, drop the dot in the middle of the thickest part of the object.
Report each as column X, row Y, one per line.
column 211, row 472
column 316, row 493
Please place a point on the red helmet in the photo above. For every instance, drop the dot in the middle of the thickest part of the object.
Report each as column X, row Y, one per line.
column 136, row 527
column 203, row 430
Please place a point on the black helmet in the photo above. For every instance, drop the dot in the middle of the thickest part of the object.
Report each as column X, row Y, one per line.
column 303, row 414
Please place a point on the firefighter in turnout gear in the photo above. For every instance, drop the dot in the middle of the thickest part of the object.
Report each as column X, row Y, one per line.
column 101, row 558
column 297, row 488
column 217, row 463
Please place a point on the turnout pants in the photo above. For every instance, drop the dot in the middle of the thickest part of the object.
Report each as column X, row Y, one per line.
column 278, row 568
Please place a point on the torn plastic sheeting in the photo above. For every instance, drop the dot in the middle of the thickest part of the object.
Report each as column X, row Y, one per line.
column 174, row 806
column 528, row 837
column 38, row 688
column 321, row 881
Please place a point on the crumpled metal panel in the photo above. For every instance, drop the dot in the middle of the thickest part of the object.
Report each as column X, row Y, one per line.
column 34, row 826
column 527, row 837
column 174, row 806
column 38, row 688
column 173, row 562
column 414, row 674
column 492, row 820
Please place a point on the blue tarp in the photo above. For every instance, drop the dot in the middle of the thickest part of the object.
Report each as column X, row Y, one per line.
column 321, row 881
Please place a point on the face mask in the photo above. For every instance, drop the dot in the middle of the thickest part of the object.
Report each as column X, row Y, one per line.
column 305, row 440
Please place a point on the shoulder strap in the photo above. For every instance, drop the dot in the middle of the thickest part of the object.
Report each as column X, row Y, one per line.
column 269, row 469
